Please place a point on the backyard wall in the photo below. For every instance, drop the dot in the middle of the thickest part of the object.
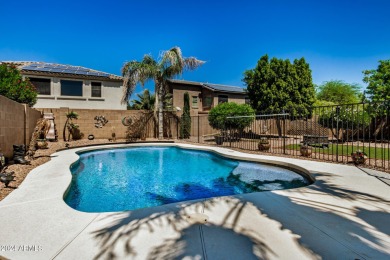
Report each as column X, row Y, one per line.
column 86, row 122
column 17, row 123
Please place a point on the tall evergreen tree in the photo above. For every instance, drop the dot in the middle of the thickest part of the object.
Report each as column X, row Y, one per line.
column 278, row 85
column 378, row 80
column 185, row 126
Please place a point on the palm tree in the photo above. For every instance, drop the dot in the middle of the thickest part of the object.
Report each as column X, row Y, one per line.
column 145, row 102
column 170, row 64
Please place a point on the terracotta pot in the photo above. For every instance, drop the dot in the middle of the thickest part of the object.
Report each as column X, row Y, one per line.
column 264, row 146
column 306, row 150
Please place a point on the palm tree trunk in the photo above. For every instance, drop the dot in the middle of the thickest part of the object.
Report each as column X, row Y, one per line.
column 65, row 127
column 160, row 116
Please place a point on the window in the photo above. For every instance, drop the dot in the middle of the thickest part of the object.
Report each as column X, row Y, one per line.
column 96, row 89
column 71, row 88
column 42, row 85
column 195, row 102
column 222, row 99
column 247, row 101
column 207, row 102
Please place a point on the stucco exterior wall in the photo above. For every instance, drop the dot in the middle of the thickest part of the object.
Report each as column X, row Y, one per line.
column 111, row 95
column 17, row 122
column 178, row 97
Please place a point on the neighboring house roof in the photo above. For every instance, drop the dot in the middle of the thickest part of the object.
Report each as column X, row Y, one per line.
column 53, row 69
column 212, row 87
column 224, row 88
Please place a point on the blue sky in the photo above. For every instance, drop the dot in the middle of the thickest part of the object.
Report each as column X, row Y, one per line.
column 339, row 39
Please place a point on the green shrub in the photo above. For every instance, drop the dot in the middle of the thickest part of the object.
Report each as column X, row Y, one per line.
column 185, row 126
column 14, row 87
column 219, row 116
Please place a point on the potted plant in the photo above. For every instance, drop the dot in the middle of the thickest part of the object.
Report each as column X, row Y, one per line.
column 218, row 139
column 305, row 150
column 264, row 144
column 41, row 141
column 74, row 131
column 113, row 134
column 359, row 157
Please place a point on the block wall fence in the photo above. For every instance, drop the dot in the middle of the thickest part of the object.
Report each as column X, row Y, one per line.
column 86, row 121
column 17, row 123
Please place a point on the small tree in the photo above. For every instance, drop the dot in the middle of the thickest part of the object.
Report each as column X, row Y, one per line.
column 185, row 126
column 13, row 86
column 219, row 117
column 339, row 92
column 69, row 124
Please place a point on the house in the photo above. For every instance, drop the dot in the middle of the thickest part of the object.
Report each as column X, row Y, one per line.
column 61, row 85
column 204, row 96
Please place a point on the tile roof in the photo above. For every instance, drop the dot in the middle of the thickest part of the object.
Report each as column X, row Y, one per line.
column 60, row 69
column 213, row 87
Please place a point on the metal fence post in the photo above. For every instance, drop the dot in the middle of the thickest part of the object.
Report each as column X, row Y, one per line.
column 337, row 132
column 198, row 130
column 284, row 133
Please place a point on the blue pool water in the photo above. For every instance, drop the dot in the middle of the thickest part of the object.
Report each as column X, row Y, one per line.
column 140, row 177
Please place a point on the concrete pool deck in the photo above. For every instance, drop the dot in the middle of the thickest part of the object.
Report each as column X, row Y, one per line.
column 344, row 214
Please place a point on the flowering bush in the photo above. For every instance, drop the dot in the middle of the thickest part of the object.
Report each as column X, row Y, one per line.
column 359, row 157
column 14, row 87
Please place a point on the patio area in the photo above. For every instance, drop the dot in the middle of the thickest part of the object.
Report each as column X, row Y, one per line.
column 344, row 214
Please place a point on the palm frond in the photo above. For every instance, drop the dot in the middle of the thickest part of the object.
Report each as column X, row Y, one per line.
column 135, row 72
column 172, row 59
column 192, row 63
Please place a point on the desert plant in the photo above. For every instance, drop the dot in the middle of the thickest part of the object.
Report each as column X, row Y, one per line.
column 69, row 124
column 185, row 126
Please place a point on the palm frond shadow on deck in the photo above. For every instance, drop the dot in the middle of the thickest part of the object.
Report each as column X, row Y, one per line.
column 244, row 222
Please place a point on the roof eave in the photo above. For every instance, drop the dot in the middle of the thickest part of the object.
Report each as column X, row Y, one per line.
column 73, row 76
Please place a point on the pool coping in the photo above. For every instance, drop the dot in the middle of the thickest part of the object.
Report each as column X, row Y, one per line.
column 339, row 195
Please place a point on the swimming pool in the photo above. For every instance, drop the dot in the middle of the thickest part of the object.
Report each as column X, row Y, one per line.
column 138, row 177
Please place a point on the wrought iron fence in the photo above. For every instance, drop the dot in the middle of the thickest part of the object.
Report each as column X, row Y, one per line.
column 342, row 133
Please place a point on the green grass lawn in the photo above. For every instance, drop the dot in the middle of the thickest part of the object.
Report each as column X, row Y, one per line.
column 372, row 152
